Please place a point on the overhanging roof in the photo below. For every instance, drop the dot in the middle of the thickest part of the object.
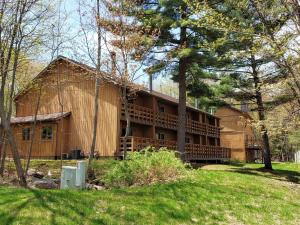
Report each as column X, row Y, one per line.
column 40, row 118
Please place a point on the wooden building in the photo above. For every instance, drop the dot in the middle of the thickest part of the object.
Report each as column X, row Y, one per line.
column 238, row 134
column 65, row 112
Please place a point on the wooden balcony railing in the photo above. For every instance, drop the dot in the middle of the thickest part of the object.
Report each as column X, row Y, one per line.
column 139, row 113
column 192, row 151
column 206, row 152
column 166, row 120
column 144, row 115
column 253, row 143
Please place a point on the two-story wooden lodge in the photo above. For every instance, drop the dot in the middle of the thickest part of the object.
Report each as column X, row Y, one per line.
column 65, row 112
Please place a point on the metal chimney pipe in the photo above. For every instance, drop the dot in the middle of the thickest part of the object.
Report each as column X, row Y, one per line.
column 150, row 83
column 113, row 63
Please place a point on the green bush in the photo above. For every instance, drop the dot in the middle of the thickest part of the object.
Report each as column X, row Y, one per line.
column 145, row 167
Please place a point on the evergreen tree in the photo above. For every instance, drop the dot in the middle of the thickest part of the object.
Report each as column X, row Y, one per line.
column 253, row 67
column 182, row 48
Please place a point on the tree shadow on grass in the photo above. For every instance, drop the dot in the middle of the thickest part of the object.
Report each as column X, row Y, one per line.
column 62, row 205
column 278, row 174
column 197, row 165
column 48, row 207
column 9, row 218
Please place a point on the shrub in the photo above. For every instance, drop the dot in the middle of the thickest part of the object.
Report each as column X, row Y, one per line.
column 146, row 167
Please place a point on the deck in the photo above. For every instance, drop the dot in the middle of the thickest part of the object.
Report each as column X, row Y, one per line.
column 192, row 151
column 148, row 116
column 253, row 143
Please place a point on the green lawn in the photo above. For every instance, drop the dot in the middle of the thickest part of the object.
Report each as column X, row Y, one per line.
column 214, row 194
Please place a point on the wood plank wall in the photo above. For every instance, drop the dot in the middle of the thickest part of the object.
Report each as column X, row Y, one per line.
column 76, row 89
column 234, row 132
column 41, row 148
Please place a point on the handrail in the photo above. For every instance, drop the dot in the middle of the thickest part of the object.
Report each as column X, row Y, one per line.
column 192, row 151
column 148, row 116
column 253, row 143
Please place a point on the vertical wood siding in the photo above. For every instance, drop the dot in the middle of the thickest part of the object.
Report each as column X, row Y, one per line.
column 41, row 148
column 76, row 89
column 234, row 133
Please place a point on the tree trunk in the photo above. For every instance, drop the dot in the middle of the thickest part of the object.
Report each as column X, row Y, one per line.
column 61, row 105
column 127, row 117
column 181, row 130
column 2, row 155
column 261, row 115
column 267, row 151
column 95, row 120
column 14, row 151
column 2, row 165
column 97, row 87
column 33, row 130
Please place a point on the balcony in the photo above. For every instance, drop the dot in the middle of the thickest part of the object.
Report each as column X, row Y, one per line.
column 253, row 143
column 144, row 115
column 192, row 151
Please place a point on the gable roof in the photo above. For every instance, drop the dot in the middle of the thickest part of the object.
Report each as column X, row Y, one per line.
column 61, row 58
column 108, row 78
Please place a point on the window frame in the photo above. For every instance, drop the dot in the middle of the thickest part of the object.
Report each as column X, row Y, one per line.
column 26, row 134
column 49, row 135
column 159, row 135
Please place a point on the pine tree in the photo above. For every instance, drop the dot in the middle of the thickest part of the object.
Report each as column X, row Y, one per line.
column 181, row 49
column 254, row 65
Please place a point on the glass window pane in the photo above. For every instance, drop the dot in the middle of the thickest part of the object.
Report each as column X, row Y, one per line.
column 46, row 133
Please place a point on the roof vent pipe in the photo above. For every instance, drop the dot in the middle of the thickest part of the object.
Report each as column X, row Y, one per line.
column 113, row 63
column 150, row 83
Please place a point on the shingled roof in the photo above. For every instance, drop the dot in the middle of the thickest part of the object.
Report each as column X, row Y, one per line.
column 40, row 118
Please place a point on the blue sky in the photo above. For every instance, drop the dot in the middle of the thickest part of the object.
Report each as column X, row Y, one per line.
column 76, row 49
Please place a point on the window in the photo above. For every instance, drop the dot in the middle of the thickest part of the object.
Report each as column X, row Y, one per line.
column 26, row 134
column 187, row 140
column 160, row 136
column 46, row 133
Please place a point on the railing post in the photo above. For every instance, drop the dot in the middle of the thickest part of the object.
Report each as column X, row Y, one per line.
column 132, row 144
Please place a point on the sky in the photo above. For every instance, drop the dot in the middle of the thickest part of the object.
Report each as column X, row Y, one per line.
column 75, row 48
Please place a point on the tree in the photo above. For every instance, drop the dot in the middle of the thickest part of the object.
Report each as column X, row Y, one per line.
column 127, row 44
column 89, row 15
column 182, row 48
column 57, row 35
column 19, row 22
column 254, row 66
column 97, row 85
column 286, row 57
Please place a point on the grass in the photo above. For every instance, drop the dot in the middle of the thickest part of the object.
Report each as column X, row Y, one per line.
column 54, row 166
column 213, row 194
